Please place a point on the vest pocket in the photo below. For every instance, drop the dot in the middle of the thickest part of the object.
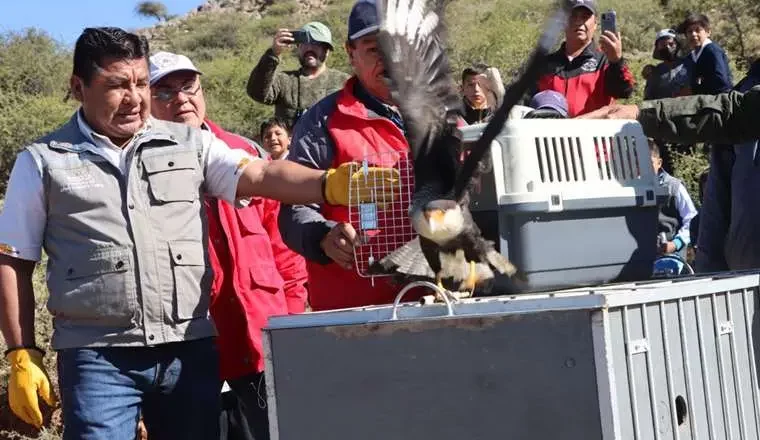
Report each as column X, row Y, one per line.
column 99, row 289
column 173, row 177
column 192, row 279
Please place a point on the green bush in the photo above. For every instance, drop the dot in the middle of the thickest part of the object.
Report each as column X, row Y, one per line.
column 32, row 63
column 205, row 37
column 24, row 119
column 34, row 71
column 228, row 104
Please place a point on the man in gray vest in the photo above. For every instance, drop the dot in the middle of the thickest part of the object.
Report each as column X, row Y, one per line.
column 677, row 212
column 115, row 198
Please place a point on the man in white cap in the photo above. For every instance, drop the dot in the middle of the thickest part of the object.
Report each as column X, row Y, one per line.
column 115, row 199
column 255, row 274
column 670, row 78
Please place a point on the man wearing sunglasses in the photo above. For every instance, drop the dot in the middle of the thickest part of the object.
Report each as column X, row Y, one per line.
column 255, row 274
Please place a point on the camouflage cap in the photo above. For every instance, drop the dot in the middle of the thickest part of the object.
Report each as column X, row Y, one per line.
column 319, row 33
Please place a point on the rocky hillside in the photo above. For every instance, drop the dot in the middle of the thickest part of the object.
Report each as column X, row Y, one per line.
column 255, row 9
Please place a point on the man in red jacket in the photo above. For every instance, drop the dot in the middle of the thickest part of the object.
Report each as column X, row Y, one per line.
column 255, row 275
column 346, row 126
column 590, row 77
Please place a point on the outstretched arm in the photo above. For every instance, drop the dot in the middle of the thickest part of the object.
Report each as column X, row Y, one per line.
column 728, row 118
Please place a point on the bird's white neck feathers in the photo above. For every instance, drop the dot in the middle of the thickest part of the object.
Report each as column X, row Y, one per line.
column 442, row 230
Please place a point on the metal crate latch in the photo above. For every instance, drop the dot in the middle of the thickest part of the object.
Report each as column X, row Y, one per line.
column 650, row 198
column 638, row 346
column 725, row 328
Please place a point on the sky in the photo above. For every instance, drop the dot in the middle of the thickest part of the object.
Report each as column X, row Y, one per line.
column 65, row 19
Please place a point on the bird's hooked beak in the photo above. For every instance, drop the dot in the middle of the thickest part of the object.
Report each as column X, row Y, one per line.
column 435, row 218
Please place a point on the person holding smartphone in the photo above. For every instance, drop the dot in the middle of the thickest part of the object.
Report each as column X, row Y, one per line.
column 589, row 76
column 292, row 92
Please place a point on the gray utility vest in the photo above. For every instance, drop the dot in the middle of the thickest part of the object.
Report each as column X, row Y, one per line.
column 670, row 220
column 127, row 257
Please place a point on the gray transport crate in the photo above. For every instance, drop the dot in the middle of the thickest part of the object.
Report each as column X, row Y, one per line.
column 662, row 360
column 570, row 202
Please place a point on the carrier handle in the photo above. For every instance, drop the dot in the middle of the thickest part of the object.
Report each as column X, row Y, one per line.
column 428, row 284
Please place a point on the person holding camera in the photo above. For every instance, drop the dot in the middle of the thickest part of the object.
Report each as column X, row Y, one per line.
column 292, row 92
column 589, row 76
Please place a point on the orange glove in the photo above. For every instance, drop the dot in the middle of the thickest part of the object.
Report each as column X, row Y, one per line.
column 28, row 378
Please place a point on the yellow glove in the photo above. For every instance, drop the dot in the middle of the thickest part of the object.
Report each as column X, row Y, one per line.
column 28, row 377
column 376, row 186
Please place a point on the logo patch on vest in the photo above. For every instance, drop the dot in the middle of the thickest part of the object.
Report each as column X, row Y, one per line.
column 590, row 65
column 79, row 178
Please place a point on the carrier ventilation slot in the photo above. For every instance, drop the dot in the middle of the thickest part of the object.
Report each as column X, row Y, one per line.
column 559, row 159
column 617, row 158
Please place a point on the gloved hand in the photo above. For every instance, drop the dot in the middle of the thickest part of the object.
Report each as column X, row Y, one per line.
column 377, row 186
column 28, row 377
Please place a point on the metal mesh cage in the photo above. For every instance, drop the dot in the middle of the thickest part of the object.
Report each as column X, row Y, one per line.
column 382, row 225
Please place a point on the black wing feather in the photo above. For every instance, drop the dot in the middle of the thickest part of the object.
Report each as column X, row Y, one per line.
column 512, row 96
column 414, row 56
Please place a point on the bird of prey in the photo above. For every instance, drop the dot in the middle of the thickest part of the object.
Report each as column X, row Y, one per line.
column 449, row 247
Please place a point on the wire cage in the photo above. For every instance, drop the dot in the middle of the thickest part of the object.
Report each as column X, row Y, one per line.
column 382, row 225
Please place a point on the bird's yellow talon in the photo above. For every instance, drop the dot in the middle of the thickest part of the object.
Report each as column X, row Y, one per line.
column 472, row 279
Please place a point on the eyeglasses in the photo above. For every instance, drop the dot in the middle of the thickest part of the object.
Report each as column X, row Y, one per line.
column 170, row 94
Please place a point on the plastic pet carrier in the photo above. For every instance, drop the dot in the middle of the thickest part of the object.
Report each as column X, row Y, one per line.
column 571, row 202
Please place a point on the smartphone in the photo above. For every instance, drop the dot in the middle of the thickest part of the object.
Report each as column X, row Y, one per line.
column 300, row 36
column 609, row 21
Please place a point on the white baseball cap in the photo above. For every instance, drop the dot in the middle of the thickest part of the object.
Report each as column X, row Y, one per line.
column 164, row 63
column 665, row 33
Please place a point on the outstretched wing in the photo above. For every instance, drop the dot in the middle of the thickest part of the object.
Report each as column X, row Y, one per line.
column 535, row 66
column 407, row 261
column 412, row 45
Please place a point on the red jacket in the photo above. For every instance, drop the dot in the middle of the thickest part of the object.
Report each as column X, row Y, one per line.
column 255, row 274
column 354, row 133
column 589, row 81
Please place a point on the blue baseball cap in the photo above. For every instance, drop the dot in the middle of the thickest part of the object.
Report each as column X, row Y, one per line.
column 362, row 20
column 550, row 99
column 588, row 4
